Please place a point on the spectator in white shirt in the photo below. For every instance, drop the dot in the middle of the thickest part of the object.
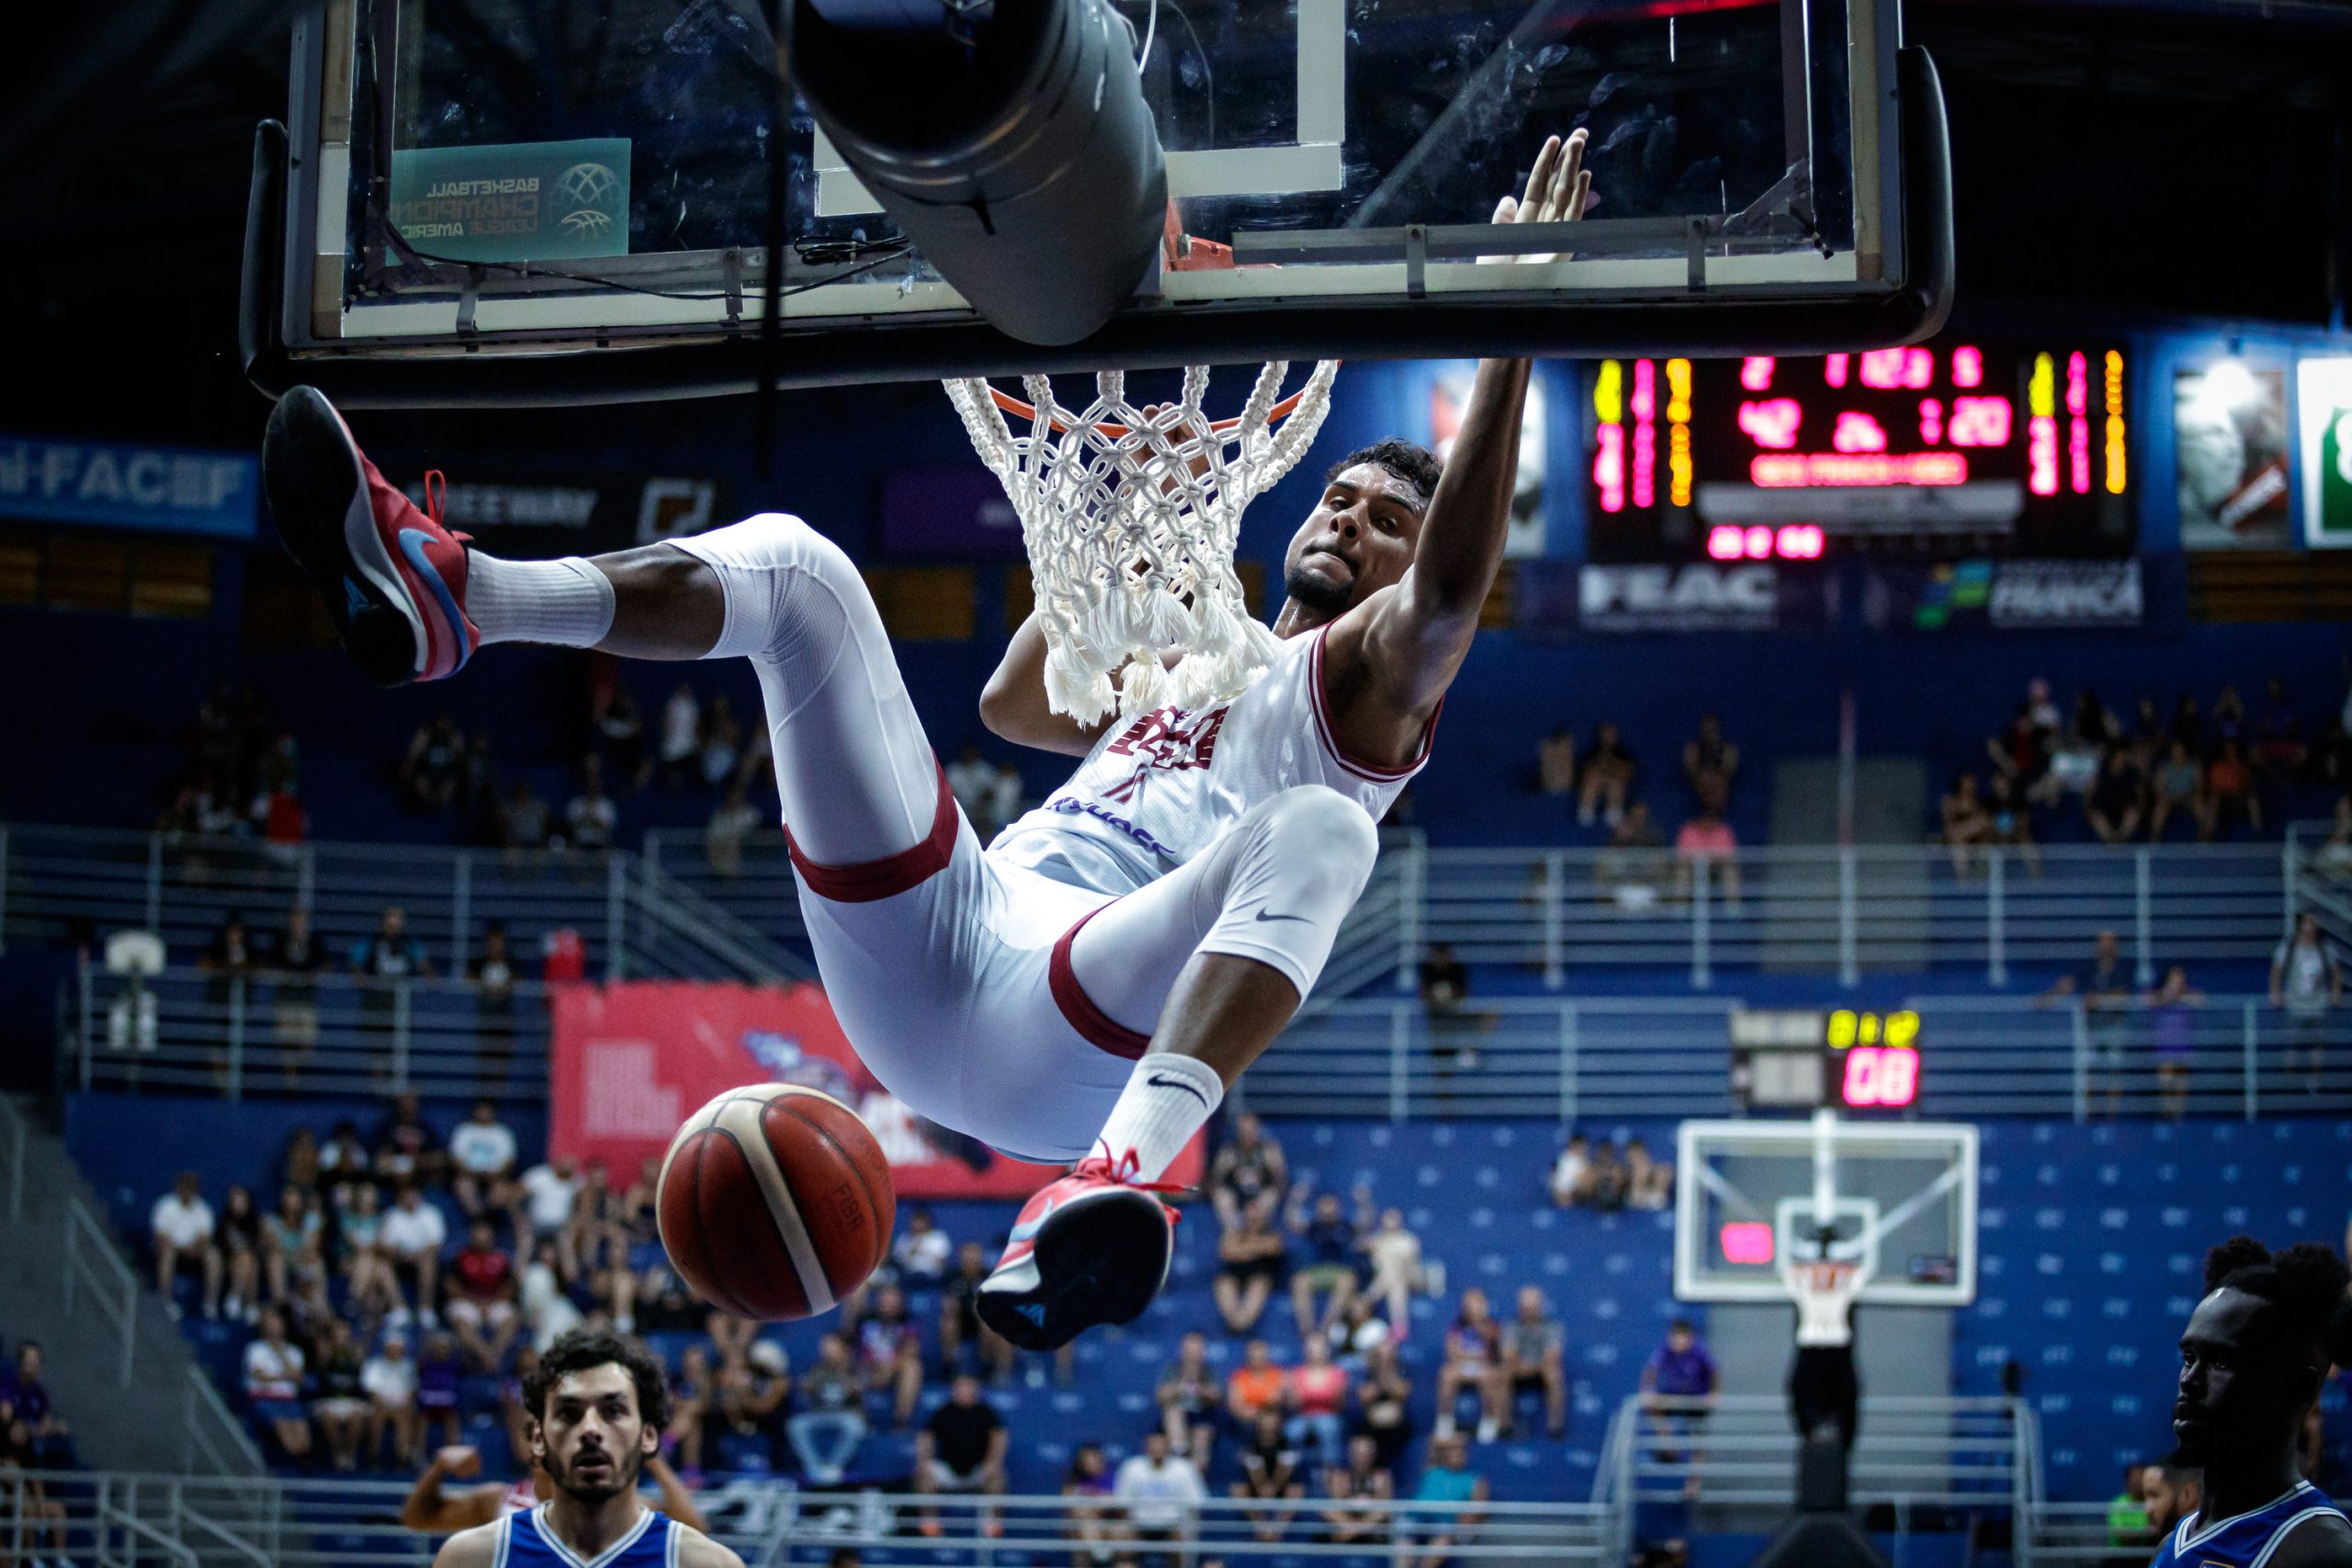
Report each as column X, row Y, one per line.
column 922, row 1251
column 413, row 1236
column 551, row 1196
column 182, row 1227
column 729, row 823
column 274, row 1385
column 1159, row 1490
column 2306, row 980
column 390, row 1378
column 1572, row 1175
column 591, row 817
column 481, row 1158
column 681, row 736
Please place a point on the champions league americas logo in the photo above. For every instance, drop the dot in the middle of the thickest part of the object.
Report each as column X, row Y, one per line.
column 588, row 189
column 787, row 1062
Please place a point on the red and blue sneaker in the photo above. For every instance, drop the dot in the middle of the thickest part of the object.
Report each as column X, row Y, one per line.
column 1091, row 1247
column 393, row 578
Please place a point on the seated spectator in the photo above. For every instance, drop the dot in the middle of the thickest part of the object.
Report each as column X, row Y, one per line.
column 2229, row 793
column 1359, row 1330
column 1326, row 1265
column 481, row 1299
column 2021, row 752
column 1572, row 1173
column 1709, row 764
column 620, row 730
column 1271, row 1469
column 1395, row 1256
column 1385, row 1403
column 2115, row 805
column 342, row 1165
column 2076, row 754
column 523, row 819
column 1364, row 1479
column 922, row 1251
column 1445, row 991
column 342, row 1408
column 1247, row 1169
column 831, row 1423
column 481, row 1162
column 693, row 1392
column 889, row 1351
column 406, row 1149
column 1473, row 1351
column 961, row 1448
column 428, row 777
column 239, row 1233
column 1608, row 777
column 390, row 1378
column 959, row 1317
column 1611, row 1180
column 294, row 961
column 1189, row 1399
column 2307, row 983
column 1555, row 763
column 1316, row 1395
column 589, row 816
column 299, row 1166
column 731, row 821
column 48, row 1442
column 182, row 1226
column 550, row 1193
column 1679, row 1383
column 413, row 1235
column 1632, row 870
column 1249, row 1262
column 1256, row 1387
column 292, row 1242
column 2012, row 823
column 1965, row 822
column 681, row 738
column 1453, row 1489
column 437, row 1376
column 2279, row 747
column 1533, row 1360
column 753, row 1388
column 2178, row 786
column 1707, row 840
column 1649, row 1182
column 1161, row 1491
column 1088, row 1518
column 722, row 742
column 493, row 976
column 2172, row 1027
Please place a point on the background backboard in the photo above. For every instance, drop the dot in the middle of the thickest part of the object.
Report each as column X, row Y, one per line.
column 485, row 179
column 1900, row 1197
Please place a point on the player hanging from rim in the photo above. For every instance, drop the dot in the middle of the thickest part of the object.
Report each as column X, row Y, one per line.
column 2253, row 1360
column 431, row 1509
column 1088, row 986
column 1824, row 1396
column 598, row 1404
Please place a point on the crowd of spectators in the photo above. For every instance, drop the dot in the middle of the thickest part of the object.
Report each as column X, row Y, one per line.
column 238, row 777
column 2191, row 770
column 33, row 1437
column 1638, row 867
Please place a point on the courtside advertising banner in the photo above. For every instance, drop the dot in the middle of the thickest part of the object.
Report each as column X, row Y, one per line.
column 629, row 1061
column 2326, row 399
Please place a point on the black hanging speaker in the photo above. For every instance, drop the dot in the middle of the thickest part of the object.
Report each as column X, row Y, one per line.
column 1008, row 138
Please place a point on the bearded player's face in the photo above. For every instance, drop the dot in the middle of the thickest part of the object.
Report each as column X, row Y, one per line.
column 1358, row 540
column 591, row 1438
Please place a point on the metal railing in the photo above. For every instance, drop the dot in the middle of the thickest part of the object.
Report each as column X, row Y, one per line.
column 93, row 1268
column 1940, row 1451
column 1980, row 1056
column 263, row 1034
column 214, row 1442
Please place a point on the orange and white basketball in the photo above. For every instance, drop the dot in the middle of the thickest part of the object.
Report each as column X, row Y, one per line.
column 774, row 1202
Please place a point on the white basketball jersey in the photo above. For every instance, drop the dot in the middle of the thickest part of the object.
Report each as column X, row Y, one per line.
column 1161, row 788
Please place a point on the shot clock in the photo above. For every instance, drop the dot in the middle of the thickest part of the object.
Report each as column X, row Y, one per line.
column 1803, row 1058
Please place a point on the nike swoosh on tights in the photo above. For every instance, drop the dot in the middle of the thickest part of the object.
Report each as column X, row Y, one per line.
column 1158, row 1081
column 1264, row 916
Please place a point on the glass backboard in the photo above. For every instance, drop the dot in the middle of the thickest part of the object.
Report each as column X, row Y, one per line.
column 1897, row 1198
column 491, row 188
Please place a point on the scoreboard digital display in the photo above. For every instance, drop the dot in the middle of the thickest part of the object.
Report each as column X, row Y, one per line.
column 1966, row 444
column 1803, row 1058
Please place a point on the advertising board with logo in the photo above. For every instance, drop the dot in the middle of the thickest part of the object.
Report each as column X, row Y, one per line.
column 513, row 201
column 576, row 511
column 1559, row 597
column 629, row 1062
column 2230, row 444
column 2323, row 389
column 2135, row 593
column 168, row 489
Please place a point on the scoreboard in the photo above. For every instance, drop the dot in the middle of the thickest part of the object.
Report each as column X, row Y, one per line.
column 1957, row 446
column 1807, row 1058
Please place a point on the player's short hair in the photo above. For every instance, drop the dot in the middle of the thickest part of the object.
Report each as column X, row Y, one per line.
column 582, row 1349
column 2304, row 1285
column 2177, row 1469
column 1413, row 463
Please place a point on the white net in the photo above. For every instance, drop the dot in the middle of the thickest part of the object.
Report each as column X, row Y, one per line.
column 1130, row 524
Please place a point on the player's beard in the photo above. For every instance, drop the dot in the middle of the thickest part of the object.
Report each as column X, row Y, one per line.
column 618, row 1475
column 1325, row 599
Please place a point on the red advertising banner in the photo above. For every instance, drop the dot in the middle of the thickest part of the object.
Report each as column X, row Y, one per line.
column 629, row 1061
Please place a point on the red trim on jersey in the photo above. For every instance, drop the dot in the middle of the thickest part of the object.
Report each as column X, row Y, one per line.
column 1094, row 1026
column 893, row 875
column 1329, row 736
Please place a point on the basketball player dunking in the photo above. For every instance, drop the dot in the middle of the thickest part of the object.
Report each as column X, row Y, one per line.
column 2252, row 1361
column 1087, row 986
column 598, row 1404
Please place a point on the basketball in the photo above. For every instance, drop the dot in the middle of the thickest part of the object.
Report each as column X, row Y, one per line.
column 774, row 1202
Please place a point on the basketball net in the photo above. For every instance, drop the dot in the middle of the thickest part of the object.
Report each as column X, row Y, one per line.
column 1130, row 525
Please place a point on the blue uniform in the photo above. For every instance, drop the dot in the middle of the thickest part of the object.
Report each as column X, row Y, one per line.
column 2246, row 1540
column 524, row 1541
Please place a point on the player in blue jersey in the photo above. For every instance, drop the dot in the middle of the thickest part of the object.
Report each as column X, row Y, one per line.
column 2252, row 1361
column 598, row 1404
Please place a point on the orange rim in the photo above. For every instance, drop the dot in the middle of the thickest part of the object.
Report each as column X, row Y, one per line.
column 1015, row 407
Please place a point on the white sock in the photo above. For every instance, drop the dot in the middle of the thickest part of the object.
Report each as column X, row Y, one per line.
column 1167, row 1098
column 566, row 601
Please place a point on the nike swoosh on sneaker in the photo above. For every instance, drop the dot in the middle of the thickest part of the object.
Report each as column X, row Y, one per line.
column 1035, row 1312
column 1027, row 1229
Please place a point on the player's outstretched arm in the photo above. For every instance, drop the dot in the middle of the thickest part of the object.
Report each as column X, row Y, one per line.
column 475, row 1547
column 676, row 1501
column 1013, row 703
column 696, row 1549
column 432, row 1508
column 1416, row 637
